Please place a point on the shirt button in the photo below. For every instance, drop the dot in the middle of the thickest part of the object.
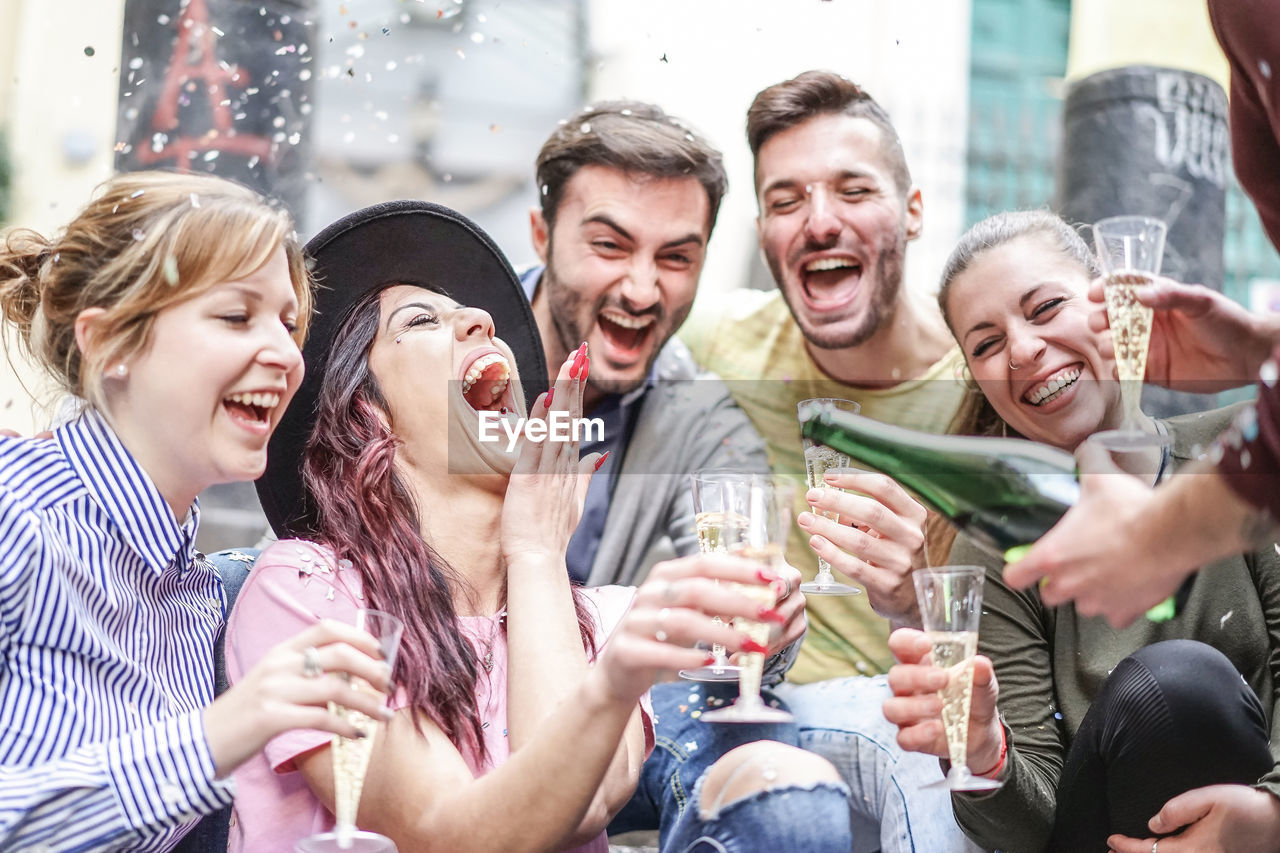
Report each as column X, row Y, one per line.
column 171, row 793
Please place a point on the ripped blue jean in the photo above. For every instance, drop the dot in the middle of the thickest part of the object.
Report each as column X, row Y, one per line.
column 666, row 797
column 842, row 720
column 813, row 818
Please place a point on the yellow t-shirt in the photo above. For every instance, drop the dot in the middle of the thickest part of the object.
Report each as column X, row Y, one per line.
column 750, row 339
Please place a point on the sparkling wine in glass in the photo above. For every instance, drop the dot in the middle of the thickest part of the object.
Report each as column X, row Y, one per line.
column 351, row 757
column 950, row 599
column 1130, row 250
column 719, row 505
column 762, row 538
column 818, row 459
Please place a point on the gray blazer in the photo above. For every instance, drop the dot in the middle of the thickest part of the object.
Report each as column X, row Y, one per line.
column 687, row 421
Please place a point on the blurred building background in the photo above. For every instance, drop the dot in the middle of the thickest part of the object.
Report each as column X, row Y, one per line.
column 449, row 100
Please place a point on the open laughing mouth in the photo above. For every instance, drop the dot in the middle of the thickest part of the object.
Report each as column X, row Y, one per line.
column 1045, row 392
column 830, row 282
column 626, row 335
column 251, row 408
column 486, row 383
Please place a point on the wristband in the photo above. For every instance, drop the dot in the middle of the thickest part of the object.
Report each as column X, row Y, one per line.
column 1004, row 752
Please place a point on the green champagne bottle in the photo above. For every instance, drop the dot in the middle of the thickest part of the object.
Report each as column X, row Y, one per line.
column 1005, row 493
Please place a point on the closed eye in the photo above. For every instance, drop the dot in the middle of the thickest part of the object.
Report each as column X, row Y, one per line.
column 422, row 320
column 984, row 347
column 235, row 319
column 1045, row 309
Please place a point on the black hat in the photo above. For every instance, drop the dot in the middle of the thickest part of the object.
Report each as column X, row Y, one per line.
column 397, row 242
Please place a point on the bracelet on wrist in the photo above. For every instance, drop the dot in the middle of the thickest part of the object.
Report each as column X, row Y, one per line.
column 1004, row 752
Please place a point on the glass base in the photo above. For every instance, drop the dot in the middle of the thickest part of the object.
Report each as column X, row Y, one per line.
column 748, row 711
column 962, row 779
column 832, row 587
column 713, row 672
column 359, row 841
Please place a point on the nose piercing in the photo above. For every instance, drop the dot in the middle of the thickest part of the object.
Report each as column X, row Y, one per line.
column 397, row 340
column 1013, row 366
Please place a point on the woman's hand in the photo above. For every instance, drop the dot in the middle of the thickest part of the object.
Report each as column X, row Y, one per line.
column 291, row 688
column 877, row 541
column 1201, row 340
column 916, row 708
column 1215, row 819
column 673, row 610
column 548, row 486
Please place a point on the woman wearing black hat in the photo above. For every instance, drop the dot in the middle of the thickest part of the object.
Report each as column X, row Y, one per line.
column 505, row 736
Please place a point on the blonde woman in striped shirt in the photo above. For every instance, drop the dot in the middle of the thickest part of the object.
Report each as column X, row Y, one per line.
column 173, row 306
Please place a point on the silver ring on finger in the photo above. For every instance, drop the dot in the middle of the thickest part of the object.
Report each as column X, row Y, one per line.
column 1154, row 845
column 660, row 635
column 311, row 667
column 787, row 589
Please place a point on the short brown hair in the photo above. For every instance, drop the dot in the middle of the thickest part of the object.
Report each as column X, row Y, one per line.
column 148, row 240
column 633, row 137
column 784, row 105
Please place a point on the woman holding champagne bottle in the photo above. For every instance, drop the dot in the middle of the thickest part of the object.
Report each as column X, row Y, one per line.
column 1102, row 738
column 505, row 736
column 171, row 309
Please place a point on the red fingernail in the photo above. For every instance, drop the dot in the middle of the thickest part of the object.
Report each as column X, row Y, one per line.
column 586, row 367
column 600, row 461
column 770, row 614
column 710, row 659
column 753, row 646
column 767, row 576
column 577, row 363
column 550, row 396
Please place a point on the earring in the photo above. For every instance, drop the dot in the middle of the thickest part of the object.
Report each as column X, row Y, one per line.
column 397, row 340
column 120, row 371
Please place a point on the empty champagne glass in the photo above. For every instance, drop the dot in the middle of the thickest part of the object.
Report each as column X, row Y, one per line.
column 1130, row 251
column 719, row 501
column 950, row 599
column 818, row 459
column 763, row 538
column 351, row 757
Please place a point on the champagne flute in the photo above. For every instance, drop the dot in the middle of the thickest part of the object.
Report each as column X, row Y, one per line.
column 719, row 501
column 818, row 459
column 1130, row 250
column 351, row 757
column 762, row 538
column 950, row 599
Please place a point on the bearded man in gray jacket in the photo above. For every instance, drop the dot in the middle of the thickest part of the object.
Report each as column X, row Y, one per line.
column 629, row 197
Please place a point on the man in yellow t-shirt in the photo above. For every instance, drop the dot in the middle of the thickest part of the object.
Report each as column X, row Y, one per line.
column 836, row 211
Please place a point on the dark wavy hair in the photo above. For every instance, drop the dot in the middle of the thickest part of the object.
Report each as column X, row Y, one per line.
column 366, row 513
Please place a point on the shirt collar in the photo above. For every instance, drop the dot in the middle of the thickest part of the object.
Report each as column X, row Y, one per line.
column 126, row 494
column 530, row 278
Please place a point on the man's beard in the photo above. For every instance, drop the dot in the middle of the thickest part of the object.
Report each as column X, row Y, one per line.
column 878, row 313
column 567, row 315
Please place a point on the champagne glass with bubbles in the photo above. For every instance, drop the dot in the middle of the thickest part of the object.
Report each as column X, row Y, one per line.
column 818, row 459
column 762, row 538
column 719, row 503
column 950, row 599
column 351, row 757
column 1130, row 251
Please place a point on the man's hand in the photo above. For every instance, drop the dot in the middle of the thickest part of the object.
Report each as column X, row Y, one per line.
column 877, row 540
column 1201, row 341
column 1217, row 819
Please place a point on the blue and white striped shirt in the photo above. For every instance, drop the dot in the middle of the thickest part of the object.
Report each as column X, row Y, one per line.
column 107, row 626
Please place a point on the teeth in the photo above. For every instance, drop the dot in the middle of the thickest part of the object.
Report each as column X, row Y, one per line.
column 267, row 400
column 1050, row 388
column 626, row 321
column 828, row 264
column 478, row 367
